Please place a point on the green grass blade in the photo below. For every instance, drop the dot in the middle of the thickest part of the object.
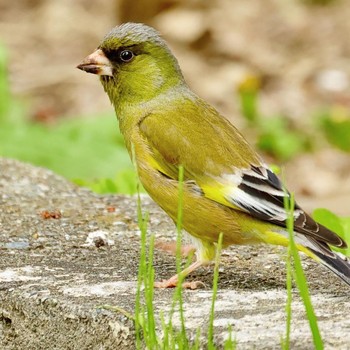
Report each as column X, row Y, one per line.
column 211, row 345
column 286, row 341
column 230, row 344
column 197, row 340
column 180, row 339
column 179, row 220
column 149, row 294
column 178, row 252
column 139, row 312
column 300, row 276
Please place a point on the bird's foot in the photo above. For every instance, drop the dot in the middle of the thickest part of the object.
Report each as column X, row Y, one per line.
column 173, row 281
column 170, row 283
column 170, row 247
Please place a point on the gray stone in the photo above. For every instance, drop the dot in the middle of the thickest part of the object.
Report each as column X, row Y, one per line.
column 65, row 251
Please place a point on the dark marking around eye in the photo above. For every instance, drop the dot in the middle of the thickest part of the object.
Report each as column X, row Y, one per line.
column 116, row 55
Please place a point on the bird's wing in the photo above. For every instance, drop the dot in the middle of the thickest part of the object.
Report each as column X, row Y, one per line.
column 261, row 194
column 225, row 168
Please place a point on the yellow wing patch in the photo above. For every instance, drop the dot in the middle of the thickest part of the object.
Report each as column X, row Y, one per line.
column 217, row 192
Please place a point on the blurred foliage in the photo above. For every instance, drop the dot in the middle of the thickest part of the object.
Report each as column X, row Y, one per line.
column 124, row 182
column 248, row 91
column 340, row 225
column 8, row 106
column 88, row 148
column 336, row 126
column 5, row 100
column 275, row 135
column 278, row 137
column 319, row 2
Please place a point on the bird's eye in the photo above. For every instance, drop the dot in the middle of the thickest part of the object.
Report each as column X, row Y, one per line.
column 126, row 55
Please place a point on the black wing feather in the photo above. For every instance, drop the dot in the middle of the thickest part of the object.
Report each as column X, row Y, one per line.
column 263, row 185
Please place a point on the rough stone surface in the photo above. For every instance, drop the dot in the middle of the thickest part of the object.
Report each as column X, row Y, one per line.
column 65, row 251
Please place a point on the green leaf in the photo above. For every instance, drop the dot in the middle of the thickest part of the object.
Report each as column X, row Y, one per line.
column 326, row 218
column 277, row 138
column 336, row 127
column 337, row 224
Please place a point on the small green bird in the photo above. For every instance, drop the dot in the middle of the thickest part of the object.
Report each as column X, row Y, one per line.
column 227, row 187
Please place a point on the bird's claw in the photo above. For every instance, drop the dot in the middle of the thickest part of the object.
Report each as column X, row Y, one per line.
column 185, row 285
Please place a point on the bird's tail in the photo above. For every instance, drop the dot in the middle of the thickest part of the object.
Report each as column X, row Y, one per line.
column 336, row 262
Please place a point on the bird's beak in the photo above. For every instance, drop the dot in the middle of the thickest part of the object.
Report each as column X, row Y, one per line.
column 97, row 63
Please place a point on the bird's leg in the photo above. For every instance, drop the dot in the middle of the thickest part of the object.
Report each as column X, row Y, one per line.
column 173, row 281
column 170, row 247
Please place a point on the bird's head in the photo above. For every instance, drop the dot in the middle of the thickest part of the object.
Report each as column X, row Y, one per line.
column 134, row 64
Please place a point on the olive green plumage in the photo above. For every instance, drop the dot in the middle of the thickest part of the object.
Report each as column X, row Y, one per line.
column 227, row 186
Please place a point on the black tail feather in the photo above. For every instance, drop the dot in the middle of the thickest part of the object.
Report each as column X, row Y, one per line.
column 340, row 265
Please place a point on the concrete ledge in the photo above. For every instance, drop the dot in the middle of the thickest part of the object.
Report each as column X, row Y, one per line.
column 64, row 251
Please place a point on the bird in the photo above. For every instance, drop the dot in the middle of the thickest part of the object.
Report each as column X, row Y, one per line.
column 227, row 188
